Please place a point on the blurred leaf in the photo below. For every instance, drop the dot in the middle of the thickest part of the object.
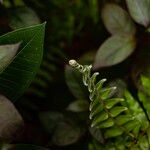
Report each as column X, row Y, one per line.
column 74, row 82
column 66, row 134
column 87, row 58
column 10, row 119
column 23, row 17
column 60, row 3
column 95, row 145
column 140, row 11
column 143, row 143
column 16, row 78
column 107, row 92
column 8, row 4
column 117, row 20
column 146, row 84
column 121, row 86
column 94, row 10
column 50, row 120
column 148, row 134
column 7, row 54
column 149, row 29
column 114, row 50
column 133, row 126
column 144, row 98
column 19, row 3
column 24, row 147
column 97, row 134
column 78, row 106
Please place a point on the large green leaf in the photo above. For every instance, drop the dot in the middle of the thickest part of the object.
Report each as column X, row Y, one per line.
column 140, row 11
column 78, row 106
column 117, row 20
column 19, row 74
column 114, row 50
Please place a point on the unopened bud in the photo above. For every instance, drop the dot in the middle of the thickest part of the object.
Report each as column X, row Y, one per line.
column 72, row 62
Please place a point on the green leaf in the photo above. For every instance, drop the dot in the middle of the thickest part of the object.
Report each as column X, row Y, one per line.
column 106, row 124
column 17, row 77
column 74, row 82
column 100, row 84
column 96, row 110
column 122, row 119
column 146, row 84
column 144, row 93
column 95, row 103
column 117, row 110
column 10, row 119
column 140, row 11
column 143, row 143
column 113, row 132
column 98, row 119
column 111, row 102
column 129, row 126
column 145, row 100
column 117, row 20
column 21, row 17
column 66, row 134
column 78, row 106
column 148, row 134
column 106, row 93
column 7, row 54
column 114, row 50
column 135, row 109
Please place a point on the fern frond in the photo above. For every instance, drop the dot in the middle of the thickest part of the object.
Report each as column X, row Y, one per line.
column 144, row 93
column 105, row 111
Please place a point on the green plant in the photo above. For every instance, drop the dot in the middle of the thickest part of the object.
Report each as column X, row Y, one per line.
column 54, row 110
column 20, row 58
column 125, row 35
column 123, row 122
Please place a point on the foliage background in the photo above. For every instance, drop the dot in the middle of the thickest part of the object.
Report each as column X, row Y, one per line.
column 74, row 29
